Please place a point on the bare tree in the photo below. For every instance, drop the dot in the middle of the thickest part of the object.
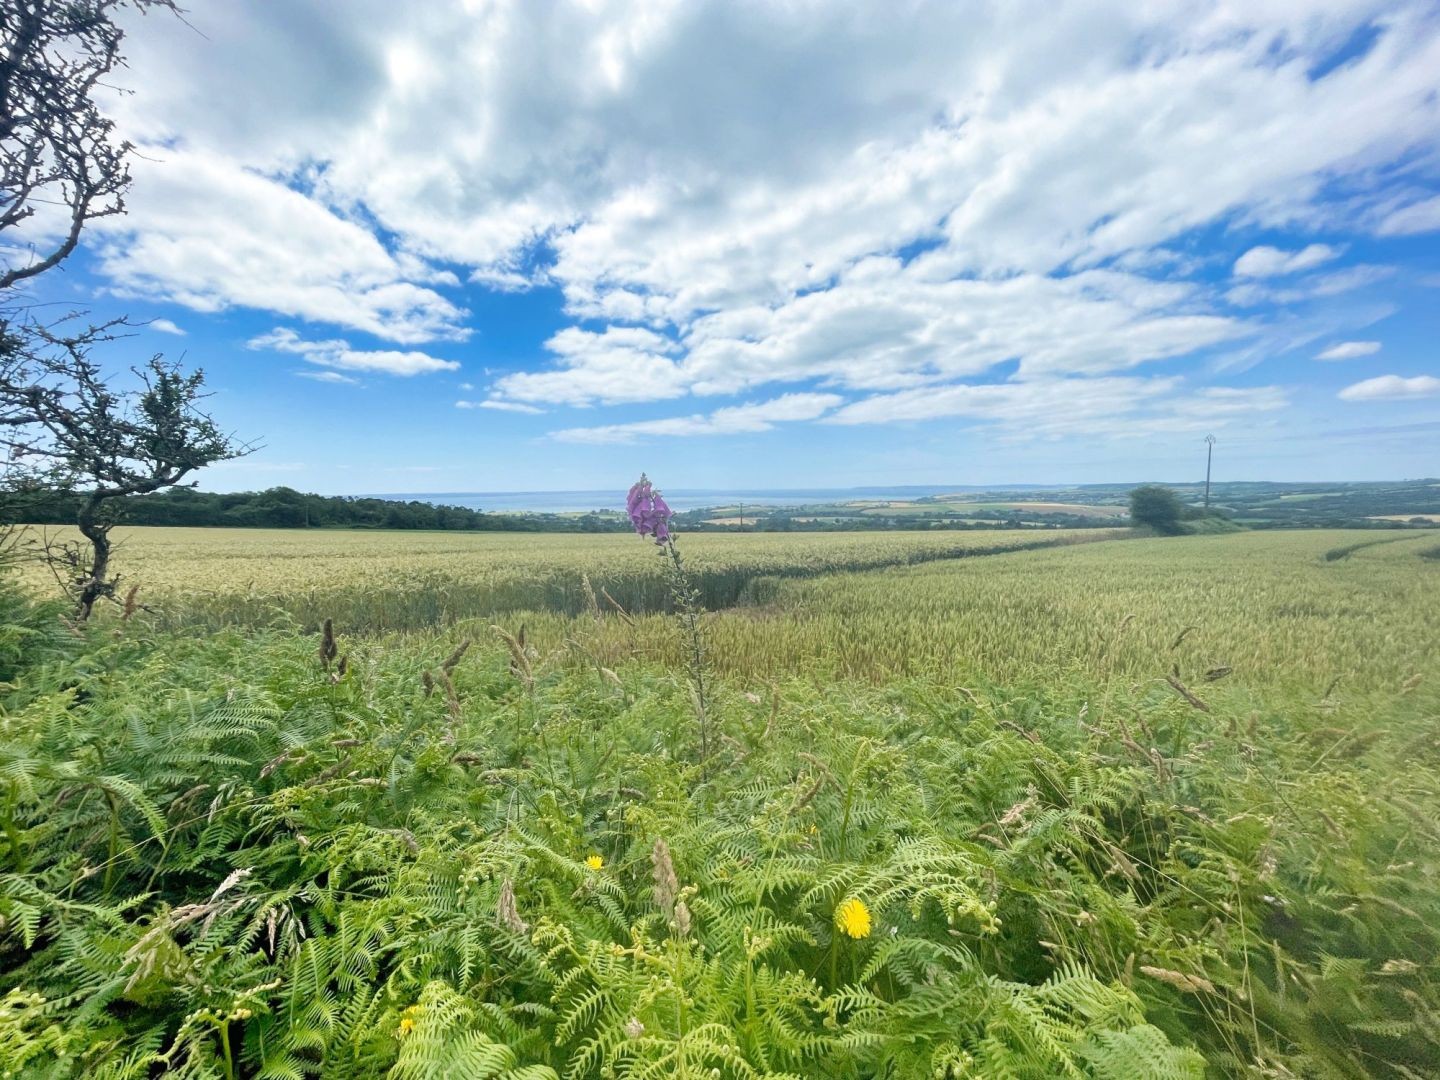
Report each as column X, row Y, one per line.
column 57, row 148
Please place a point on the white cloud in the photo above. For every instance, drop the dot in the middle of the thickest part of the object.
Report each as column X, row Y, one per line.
column 502, row 280
column 881, row 326
column 165, row 326
column 1392, row 388
column 1416, row 217
column 615, row 365
column 209, row 234
column 339, row 354
column 329, row 377
column 879, row 200
column 1114, row 406
column 1270, row 261
column 500, row 406
column 1349, row 350
column 734, row 420
column 1314, row 287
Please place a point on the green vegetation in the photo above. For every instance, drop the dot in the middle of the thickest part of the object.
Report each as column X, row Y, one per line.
column 1158, row 508
column 286, row 508
column 1138, row 808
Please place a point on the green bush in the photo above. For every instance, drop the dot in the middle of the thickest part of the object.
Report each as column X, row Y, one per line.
column 1158, row 508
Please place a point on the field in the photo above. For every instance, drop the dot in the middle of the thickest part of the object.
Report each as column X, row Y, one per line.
column 370, row 581
column 870, row 606
column 966, row 807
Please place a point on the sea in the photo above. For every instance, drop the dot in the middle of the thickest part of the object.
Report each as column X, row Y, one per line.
column 565, row 502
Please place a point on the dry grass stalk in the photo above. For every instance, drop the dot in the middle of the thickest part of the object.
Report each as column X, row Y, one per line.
column 592, row 602
column 1191, row 984
column 506, row 913
column 454, row 658
column 1182, row 636
column 328, row 650
column 625, row 615
column 519, row 657
column 1175, row 684
column 452, row 705
column 667, row 885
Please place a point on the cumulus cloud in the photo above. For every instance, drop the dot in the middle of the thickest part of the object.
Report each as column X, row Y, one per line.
column 728, row 196
column 1270, row 262
column 1349, row 350
column 618, row 364
column 165, row 326
column 886, row 325
column 735, row 420
column 1392, row 388
column 208, row 233
column 339, row 354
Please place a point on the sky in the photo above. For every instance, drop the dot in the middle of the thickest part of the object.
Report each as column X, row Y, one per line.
column 477, row 245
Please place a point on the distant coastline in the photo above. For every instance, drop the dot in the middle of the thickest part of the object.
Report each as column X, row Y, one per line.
column 570, row 502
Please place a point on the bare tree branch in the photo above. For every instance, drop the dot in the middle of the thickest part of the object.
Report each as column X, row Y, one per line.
column 56, row 145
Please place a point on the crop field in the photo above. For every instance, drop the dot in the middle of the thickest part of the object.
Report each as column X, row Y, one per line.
column 917, row 805
column 1270, row 607
column 391, row 580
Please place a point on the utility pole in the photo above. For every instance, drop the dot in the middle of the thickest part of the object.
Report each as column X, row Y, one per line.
column 1209, row 453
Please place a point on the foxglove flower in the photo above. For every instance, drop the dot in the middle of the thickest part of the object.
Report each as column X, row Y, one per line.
column 648, row 511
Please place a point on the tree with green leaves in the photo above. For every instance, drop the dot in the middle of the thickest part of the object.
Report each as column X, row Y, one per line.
column 1158, row 508
column 73, row 431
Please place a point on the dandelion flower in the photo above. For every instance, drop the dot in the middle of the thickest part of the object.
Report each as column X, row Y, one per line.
column 852, row 917
column 407, row 1025
column 595, row 862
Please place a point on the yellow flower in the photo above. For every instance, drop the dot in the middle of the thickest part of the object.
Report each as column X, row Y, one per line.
column 595, row 862
column 406, row 1026
column 853, row 917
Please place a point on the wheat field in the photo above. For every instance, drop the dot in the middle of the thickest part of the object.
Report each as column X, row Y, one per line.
column 370, row 581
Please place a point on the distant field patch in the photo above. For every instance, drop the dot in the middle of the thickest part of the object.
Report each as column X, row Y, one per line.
column 1432, row 518
column 1081, row 509
column 1076, row 509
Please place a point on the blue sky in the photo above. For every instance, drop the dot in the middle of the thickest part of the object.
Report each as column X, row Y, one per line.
column 505, row 246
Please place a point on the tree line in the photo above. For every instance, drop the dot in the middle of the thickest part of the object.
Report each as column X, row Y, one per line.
column 286, row 508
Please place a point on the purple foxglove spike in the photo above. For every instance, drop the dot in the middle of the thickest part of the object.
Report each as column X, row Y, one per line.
column 649, row 513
